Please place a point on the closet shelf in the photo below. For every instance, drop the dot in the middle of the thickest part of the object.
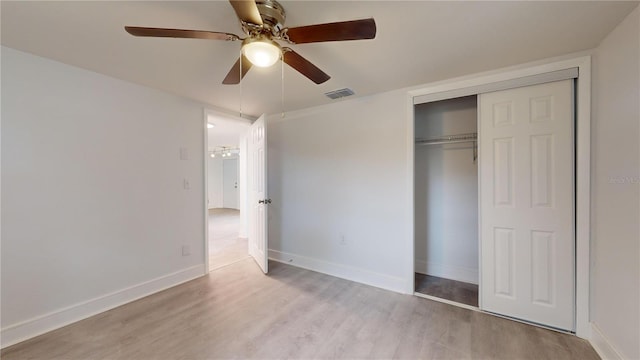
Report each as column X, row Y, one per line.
column 448, row 139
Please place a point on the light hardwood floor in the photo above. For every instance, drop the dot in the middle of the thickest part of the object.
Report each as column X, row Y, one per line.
column 225, row 247
column 457, row 291
column 237, row 312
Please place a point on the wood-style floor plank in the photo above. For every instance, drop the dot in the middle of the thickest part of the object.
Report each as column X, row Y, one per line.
column 452, row 290
column 236, row 312
column 225, row 247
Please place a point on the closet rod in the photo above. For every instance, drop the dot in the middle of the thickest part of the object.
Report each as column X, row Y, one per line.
column 444, row 142
column 452, row 139
column 449, row 139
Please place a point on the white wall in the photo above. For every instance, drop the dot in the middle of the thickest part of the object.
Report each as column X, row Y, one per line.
column 446, row 191
column 214, row 187
column 340, row 171
column 615, row 283
column 94, row 212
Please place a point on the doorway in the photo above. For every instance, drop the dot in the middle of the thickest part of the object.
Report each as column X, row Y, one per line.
column 226, row 190
column 446, row 200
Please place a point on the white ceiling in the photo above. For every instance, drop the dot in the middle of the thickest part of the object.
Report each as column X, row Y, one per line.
column 226, row 131
column 417, row 42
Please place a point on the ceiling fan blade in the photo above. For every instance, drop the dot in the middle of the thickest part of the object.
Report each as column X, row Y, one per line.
column 178, row 33
column 247, row 11
column 304, row 66
column 338, row 31
column 233, row 77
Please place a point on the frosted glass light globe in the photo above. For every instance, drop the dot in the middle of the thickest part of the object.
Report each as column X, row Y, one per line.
column 262, row 53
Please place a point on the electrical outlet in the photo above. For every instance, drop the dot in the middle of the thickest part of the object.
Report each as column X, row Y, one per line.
column 186, row 250
column 186, row 184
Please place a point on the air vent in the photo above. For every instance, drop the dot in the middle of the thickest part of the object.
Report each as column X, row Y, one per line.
column 337, row 94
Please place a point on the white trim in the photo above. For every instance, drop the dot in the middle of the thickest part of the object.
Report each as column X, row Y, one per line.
column 499, row 75
column 583, row 196
column 552, row 76
column 410, row 226
column 445, row 301
column 583, row 134
column 205, row 164
column 363, row 276
column 602, row 345
column 458, row 273
column 16, row 333
column 479, row 158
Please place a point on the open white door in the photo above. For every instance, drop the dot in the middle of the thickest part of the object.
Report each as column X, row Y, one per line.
column 527, row 197
column 258, row 202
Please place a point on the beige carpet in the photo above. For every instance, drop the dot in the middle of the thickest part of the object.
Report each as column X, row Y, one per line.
column 225, row 247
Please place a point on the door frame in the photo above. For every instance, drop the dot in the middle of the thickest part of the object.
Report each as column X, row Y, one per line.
column 582, row 162
column 205, row 165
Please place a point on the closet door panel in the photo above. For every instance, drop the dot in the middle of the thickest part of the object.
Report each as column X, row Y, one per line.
column 543, row 251
column 503, row 176
column 527, row 197
column 503, row 262
column 542, row 180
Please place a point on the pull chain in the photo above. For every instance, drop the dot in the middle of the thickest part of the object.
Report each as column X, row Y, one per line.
column 240, row 81
column 282, row 82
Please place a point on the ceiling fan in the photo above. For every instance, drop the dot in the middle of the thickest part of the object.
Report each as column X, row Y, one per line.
column 263, row 23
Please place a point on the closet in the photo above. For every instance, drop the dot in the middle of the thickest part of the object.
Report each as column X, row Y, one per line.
column 495, row 198
column 446, row 200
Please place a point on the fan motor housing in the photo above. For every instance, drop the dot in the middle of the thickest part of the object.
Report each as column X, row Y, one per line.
column 272, row 13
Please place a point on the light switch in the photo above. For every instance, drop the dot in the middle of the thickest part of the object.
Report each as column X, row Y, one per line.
column 186, row 184
column 184, row 153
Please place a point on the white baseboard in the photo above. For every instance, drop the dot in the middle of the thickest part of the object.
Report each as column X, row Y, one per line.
column 458, row 273
column 363, row 276
column 19, row 332
column 602, row 345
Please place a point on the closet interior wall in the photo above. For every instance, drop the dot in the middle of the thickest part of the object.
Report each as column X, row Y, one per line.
column 446, row 191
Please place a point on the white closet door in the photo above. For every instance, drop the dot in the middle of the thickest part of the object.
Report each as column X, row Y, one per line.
column 527, row 197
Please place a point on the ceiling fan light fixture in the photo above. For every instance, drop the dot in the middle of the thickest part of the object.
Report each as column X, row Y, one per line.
column 262, row 21
column 261, row 52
